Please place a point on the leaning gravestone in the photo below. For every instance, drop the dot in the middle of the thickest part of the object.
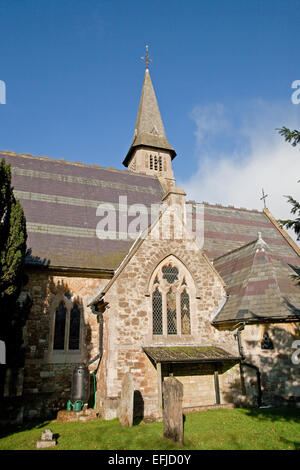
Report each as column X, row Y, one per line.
column 172, row 409
column 126, row 401
column 46, row 440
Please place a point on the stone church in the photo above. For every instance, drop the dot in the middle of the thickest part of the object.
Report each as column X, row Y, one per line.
column 126, row 275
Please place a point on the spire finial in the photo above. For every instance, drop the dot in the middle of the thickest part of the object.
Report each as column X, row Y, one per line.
column 146, row 59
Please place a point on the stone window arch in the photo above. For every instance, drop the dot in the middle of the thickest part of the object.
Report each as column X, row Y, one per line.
column 172, row 292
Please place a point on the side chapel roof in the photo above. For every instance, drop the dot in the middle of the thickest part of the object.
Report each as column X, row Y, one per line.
column 259, row 285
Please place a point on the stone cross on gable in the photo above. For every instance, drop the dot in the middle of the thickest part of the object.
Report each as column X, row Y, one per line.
column 146, row 59
column 263, row 198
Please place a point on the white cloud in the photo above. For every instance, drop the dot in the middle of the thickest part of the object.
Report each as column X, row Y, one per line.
column 256, row 156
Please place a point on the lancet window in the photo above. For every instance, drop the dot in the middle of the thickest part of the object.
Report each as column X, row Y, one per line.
column 66, row 335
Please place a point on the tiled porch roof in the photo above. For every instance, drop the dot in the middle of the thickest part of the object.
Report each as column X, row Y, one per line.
column 170, row 354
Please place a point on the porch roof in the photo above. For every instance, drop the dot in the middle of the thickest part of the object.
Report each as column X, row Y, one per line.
column 189, row 354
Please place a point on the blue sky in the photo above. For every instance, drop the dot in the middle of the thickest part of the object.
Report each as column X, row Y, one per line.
column 222, row 71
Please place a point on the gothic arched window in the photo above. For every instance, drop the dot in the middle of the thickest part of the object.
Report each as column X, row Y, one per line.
column 185, row 313
column 171, row 311
column 74, row 327
column 60, row 327
column 157, row 312
column 66, row 328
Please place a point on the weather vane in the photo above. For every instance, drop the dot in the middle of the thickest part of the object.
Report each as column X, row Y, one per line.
column 264, row 196
column 146, row 59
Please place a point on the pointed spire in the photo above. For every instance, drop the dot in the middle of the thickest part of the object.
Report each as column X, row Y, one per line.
column 149, row 129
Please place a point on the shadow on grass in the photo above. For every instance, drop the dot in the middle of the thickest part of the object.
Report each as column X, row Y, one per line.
column 28, row 426
column 293, row 445
column 275, row 414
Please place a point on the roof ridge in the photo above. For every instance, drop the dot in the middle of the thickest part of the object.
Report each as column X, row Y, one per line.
column 236, row 249
column 283, row 232
column 218, row 205
column 68, row 162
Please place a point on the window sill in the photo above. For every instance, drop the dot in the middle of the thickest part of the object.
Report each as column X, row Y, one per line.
column 64, row 357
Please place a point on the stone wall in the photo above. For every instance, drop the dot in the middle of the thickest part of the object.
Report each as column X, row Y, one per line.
column 128, row 320
column 47, row 374
column 280, row 377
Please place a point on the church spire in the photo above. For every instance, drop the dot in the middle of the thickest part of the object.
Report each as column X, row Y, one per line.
column 149, row 132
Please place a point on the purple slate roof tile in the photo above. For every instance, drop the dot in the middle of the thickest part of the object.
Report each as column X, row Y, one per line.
column 258, row 285
column 60, row 199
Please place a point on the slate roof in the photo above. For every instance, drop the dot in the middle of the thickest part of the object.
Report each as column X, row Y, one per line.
column 259, row 285
column 60, row 200
column 185, row 354
column 220, row 230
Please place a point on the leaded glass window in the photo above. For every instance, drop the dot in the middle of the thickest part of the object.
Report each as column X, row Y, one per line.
column 171, row 312
column 74, row 327
column 157, row 313
column 60, row 327
column 170, row 273
column 66, row 326
column 185, row 313
column 171, row 307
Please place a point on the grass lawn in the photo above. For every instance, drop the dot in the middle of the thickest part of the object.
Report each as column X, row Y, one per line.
column 237, row 429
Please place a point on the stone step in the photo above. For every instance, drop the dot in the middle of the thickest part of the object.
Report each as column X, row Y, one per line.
column 66, row 416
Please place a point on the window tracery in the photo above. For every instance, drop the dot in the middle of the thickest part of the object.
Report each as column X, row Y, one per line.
column 171, row 311
column 66, row 333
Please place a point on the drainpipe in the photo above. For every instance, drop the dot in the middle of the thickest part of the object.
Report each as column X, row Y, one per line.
column 252, row 366
column 98, row 356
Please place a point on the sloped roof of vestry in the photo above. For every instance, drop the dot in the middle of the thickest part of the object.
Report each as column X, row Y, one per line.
column 221, row 229
column 149, row 129
column 60, row 200
column 259, row 285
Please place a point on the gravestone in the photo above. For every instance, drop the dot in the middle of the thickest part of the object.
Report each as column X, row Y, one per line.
column 46, row 440
column 172, row 409
column 126, row 401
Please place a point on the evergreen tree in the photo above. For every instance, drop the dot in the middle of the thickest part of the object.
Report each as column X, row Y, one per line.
column 292, row 137
column 13, row 238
